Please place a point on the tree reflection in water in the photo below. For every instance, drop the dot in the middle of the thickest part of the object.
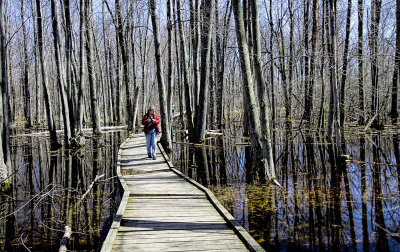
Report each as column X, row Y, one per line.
column 46, row 191
column 326, row 202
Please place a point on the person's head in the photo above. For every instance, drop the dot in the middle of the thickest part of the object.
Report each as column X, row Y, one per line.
column 151, row 110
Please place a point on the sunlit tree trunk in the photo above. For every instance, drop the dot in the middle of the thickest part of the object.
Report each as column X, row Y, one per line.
column 82, row 64
column 201, row 109
column 166, row 136
column 91, row 68
column 60, row 73
column 373, row 44
column 262, row 94
column 4, row 171
column 38, row 107
column 125, row 63
column 70, row 84
column 308, row 107
column 334, row 119
column 394, row 114
column 195, row 32
column 251, row 103
column 49, row 111
column 345, row 63
column 170, row 76
column 185, row 70
column 313, row 64
column 288, row 98
column 27, row 92
column 360, row 53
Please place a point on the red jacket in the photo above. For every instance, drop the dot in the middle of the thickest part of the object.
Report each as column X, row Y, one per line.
column 148, row 125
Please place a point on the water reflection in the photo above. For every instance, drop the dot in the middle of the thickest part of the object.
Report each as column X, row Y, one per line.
column 51, row 190
column 326, row 203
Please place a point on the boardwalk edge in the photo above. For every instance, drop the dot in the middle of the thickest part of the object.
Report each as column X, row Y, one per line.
column 243, row 235
column 112, row 233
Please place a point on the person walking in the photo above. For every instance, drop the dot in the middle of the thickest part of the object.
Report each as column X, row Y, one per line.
column 151, row 121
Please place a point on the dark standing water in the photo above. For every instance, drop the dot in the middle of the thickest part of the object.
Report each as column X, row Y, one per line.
column 47, row 190
column 324, row 204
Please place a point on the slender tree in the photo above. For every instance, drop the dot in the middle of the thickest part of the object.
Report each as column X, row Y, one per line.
column 334, row 117
column 269, row 165
column 185, row 70
column 4, row 170
column 49, row 111
column 60, row 74
column 82, row 65
column 196, row 36
column 394, row 114
column 125, row 63
column 360, row 53
column 206, row 30
column 91, row 68
column 373, row 44
column 27, row 92
column 308, row 102
column 252, row 108
column 166, row 136
column 345, row 63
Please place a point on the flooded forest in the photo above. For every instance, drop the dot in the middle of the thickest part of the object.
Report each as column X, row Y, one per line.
column 287, row 110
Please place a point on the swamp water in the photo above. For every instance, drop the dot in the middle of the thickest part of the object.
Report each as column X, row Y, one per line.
column 323, row 204
column 48, row 193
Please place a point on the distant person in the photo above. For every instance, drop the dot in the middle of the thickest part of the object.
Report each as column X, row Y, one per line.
column 150, row 121
column 173, row 110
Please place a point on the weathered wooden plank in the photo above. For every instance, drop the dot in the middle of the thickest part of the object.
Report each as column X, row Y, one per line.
column 164, row 212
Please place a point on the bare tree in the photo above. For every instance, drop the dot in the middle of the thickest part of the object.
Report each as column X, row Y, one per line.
column 4, row 170
column 360, row 52
column 252, row 108
column 49, row 111
column 166, row 136
column 373, row 44
column 91, row 69
column 206, row 11
column 394, row 110
column 60, row 75
column 28, row 109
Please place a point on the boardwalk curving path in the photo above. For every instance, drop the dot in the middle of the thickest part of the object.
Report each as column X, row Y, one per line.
column 163, row 210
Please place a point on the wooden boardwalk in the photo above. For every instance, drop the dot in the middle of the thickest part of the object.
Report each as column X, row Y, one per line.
column 163, row 210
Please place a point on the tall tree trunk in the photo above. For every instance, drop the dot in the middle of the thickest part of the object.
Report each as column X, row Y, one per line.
column 71, row 90
column 170, row 82
column 82, row 65
column 345, row 63
column 373, row 44
column 334, row 120
column 269, row 167
column 201, row 109
column 60, row 73
column 185, row 70
column 291, row 62
column 394, row 114
column 308, row 101
column 221, row 43
column 27, row 92
column 251, row 104
column 38, row 107
column 360, row 53
column 49, row 111
column 321, row 119
column 166, row 136
column 91, row 68
column 125, row 63
column 314, row 35
column 195, row 30
column 4, row 170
